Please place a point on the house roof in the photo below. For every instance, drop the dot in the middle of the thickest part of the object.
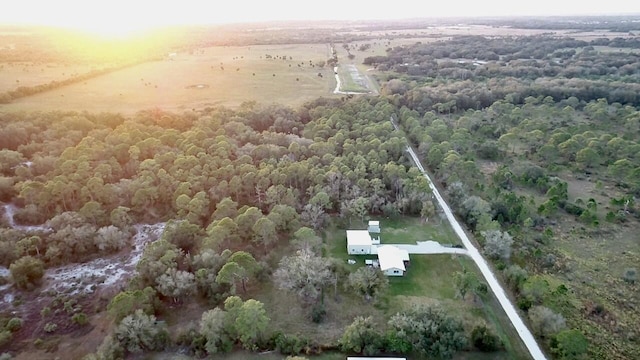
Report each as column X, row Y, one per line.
column 358, row 237
column 391, row 257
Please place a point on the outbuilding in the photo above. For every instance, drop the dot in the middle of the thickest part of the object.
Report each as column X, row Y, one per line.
column 358, row 242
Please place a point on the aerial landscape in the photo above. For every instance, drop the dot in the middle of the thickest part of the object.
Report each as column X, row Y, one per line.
column 278, row 180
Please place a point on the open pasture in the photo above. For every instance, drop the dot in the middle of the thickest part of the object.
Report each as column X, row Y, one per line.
column 482, row 30
column 224, row 75
column 14, row 75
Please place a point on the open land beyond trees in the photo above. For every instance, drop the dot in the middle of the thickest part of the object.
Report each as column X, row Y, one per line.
column 188, row 193
column 206, row 77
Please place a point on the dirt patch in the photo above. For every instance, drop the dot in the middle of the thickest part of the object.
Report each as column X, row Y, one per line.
column 198, row 86
column 488, row 168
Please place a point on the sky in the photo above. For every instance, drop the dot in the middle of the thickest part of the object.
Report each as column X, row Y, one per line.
column 129, row 15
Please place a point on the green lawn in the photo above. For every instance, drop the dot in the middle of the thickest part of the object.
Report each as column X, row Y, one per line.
column 402, row 230
column 409, row 230
column 428, row 276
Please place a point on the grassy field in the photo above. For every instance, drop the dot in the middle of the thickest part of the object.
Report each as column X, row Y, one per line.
column 15, row 75
column 224, row 75
column 411, row 230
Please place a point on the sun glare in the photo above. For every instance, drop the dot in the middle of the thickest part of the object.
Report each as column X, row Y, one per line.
column 110, row 27
column 111, row 31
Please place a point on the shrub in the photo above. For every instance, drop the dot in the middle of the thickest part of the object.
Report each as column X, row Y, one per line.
column 80, row 319
column 524, row 303
column 318, row 313
column 485, row 340
column 68, row 306
column 569, row 344
column 516, row 276
column 110, row 349
column 26, row 272
column 46, row 311
column 290, row 344
column 544, row 322
column 14, row 324
column 630, row 275
column 50, row 327
column 140, row 332
column 5, row 337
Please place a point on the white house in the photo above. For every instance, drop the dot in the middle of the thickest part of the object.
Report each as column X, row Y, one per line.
column 358, row 242
column 392, row 260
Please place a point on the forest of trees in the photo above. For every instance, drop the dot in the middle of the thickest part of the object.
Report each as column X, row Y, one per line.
column 473, row 72
column 232, row 185
column 510, row 138
column 509, row 126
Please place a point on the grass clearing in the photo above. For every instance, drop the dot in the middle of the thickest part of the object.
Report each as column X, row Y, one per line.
column 351, row 80
column 428, row 276
column 222, row 75
column 409, row 230
column 290, row 316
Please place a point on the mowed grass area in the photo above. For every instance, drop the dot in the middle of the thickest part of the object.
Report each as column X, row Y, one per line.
column 15, row 75
column 223, row 75
column 351, row 79
column 409, row 230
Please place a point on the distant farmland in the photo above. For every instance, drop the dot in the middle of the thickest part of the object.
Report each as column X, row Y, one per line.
column 212, row 76
column 15, row 75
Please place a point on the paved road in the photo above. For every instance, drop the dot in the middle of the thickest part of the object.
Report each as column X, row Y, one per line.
column 492, row 281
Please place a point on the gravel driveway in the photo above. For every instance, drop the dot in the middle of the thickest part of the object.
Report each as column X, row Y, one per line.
column 426, row 247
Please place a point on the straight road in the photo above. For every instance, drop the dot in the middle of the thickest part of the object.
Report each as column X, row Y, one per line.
column 526, row 335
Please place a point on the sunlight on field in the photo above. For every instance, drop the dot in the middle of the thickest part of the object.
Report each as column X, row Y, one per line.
column 15, row 75
column 206, row 77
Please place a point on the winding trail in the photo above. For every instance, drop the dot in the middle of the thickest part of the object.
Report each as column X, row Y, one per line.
column 9, row 211
column 526, row 335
